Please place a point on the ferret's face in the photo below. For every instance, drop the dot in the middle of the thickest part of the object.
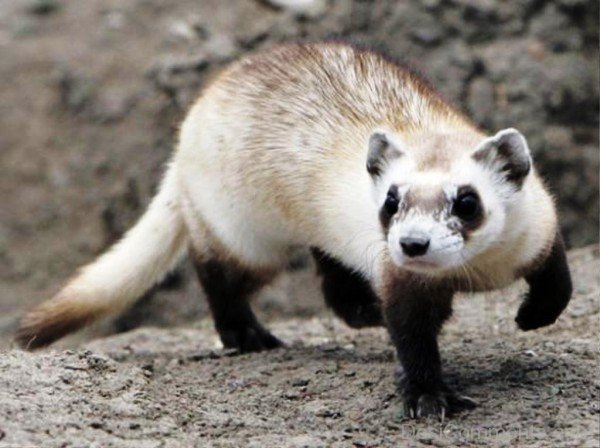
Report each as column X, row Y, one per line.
column 439, row 208
column 433, row 222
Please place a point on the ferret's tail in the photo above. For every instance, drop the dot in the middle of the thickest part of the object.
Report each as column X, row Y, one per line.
column 116, row 279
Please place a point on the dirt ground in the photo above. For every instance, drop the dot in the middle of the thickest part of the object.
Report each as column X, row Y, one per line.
column 90, row 97
column 330, row 387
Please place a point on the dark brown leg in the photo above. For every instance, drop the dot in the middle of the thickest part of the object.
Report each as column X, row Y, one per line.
column 229, row 287
column 347, row 293
column 550, row 289
column 414, row 312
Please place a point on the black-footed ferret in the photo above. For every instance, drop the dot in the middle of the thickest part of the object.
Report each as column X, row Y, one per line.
column 402, row 200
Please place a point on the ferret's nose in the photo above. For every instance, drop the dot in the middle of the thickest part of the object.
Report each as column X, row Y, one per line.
column 414, row 246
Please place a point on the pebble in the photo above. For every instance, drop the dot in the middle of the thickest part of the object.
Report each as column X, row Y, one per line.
column 308, row 8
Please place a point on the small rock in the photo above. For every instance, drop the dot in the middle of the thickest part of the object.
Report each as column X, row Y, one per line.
column 75, row 92
column 208, row 354
column 431, row 5
column 568, row 4
column 291, row 395
column 307, row 8
column 365, row 444
column 432, row 440
column 114, row 20
column 428, row 37
column 43, row 7
column 330, row 348
column 182, row 30
column 97, row 425
column 221, row 46
column 329, row 413
column 99, row 362
column 555, row 390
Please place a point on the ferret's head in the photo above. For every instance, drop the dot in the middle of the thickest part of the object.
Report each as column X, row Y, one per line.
column 446, row 198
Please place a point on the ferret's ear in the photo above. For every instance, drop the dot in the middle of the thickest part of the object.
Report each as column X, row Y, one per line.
column 383, row 148
column 508, row 153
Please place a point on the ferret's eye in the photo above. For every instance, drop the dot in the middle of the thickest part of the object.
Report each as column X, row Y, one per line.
column 391, row 202
column 466, row 206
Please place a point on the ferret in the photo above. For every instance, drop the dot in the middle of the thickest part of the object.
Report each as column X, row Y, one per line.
column 402, row 200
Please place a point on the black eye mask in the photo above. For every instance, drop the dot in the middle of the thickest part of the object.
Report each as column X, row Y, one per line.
column 467, row 207
column 390, row 207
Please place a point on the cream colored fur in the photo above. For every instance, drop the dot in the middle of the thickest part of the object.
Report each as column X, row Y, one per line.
column 273, row 156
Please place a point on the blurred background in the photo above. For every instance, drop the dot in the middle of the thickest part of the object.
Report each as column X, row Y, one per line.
column 92, row 92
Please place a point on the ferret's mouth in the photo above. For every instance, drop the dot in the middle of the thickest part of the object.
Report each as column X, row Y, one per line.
column 421, row 265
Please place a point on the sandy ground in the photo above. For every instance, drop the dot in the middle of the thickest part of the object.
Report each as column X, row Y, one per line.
column 330, row 386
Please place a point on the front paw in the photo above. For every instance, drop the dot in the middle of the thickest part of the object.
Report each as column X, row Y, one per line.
column 425, row 405
column 440, row 405
column 249, row 338
column 535, row 314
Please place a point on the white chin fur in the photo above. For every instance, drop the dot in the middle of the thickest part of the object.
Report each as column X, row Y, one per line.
column 445, row 250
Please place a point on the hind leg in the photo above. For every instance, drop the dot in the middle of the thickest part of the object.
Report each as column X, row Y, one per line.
column 229, row 287
column 348, row 294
